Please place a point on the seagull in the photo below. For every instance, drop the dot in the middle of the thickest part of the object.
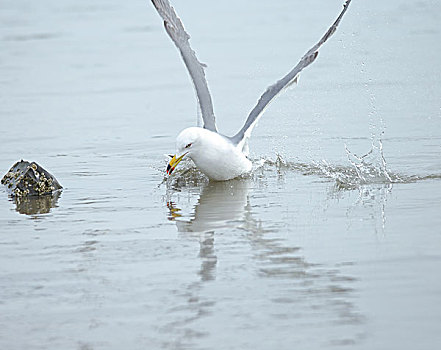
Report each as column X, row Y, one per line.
column 218, row 156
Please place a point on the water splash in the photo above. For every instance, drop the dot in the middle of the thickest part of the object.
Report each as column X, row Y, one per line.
column 363, row 170
column 368, row 169
column 371, row 167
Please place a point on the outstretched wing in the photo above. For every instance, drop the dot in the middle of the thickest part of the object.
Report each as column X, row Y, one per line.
column 180, row 37
column 291, row 78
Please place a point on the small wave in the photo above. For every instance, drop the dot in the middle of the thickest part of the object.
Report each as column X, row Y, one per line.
column 367, row 169
column 187, row 175
column 345, row 177
column 361, row 171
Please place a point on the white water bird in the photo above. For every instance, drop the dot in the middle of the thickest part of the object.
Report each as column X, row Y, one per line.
column 218, row 156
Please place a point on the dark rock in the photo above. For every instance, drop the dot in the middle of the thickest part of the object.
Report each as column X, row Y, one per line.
column 29, row 179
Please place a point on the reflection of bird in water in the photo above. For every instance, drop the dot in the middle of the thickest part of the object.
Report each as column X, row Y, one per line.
column 289, row 285
column 220, row 205
column 218, row 156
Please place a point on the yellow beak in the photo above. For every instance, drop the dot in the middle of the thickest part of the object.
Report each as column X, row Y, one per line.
column 173, row 163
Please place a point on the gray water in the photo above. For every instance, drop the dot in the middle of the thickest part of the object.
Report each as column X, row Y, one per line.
column 332, row 242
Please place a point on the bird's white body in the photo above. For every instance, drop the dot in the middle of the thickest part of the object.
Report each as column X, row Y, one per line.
column 215, row 155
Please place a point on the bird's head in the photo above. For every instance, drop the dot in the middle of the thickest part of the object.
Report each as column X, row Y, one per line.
column 187, row 143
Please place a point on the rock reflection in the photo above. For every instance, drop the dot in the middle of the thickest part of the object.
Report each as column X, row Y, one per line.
column 36, row 204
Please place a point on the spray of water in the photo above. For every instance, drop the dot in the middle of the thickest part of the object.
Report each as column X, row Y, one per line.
column 370, row 168
column 363, row 170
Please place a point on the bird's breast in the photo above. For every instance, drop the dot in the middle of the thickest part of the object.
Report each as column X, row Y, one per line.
column 221, row 161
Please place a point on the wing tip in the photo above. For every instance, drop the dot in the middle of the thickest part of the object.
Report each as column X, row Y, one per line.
column 155, row 3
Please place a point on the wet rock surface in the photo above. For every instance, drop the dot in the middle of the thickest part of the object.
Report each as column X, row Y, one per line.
column 30, row 179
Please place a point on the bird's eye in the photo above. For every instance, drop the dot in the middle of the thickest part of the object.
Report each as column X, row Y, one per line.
column 188, row 145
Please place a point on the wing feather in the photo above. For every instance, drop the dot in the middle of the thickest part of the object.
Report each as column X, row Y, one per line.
column 180, row 37
column 291, row 78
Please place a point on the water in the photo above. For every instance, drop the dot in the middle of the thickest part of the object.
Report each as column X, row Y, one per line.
column 333, row 240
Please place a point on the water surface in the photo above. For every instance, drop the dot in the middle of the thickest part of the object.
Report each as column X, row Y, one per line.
column 333, row 240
